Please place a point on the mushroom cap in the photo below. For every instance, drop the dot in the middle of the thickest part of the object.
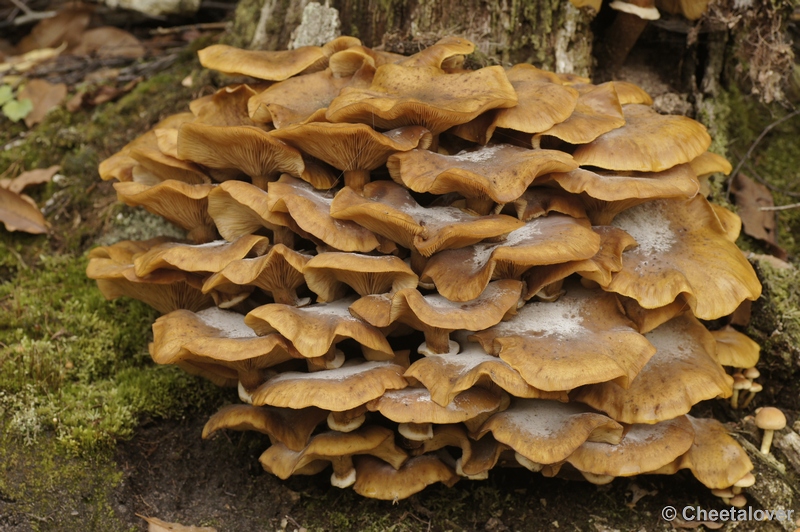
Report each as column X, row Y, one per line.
column 209, row 257
column 279, row 272
column 708, row 163
column 370, row 440
column 180, row 203
column 414, row 405
column 597, row 111
column 463, row 274
column 439, row 52
column 770, row 418
column 683, row 250
column 547, row 432
column 290, row 427
column 540, row 201
column 215, row 336
column 735, row 349
column 644, row 448
column 388, row 209
column 435, row 312
column 327, row 272
column 378, row 480
column 352, row 146
column 648, row 142
column 273, row 66
column 296, row 100
column 314, row 329
column 446, row 376
column 628, row 92
column 606, row 194
column 599, row 267
column 334, row 390
column 544, row 101
column 425, row 96
column 310, row 210
column 501, row 172
column 239, row 208
column 582, row 338
column 715, row 458
column 249, row 149
column 226, row 107
column 683, row 372
column 477, row 456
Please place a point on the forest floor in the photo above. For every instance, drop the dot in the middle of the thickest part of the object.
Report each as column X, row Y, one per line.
column 94, row 435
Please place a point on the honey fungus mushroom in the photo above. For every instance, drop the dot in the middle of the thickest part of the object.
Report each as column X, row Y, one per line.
column 547, row 236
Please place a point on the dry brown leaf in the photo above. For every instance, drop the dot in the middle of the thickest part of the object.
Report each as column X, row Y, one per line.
column 750, row 198
column 31, row 177
column 44, row 96
column 157, row 525
column 108, row 41
column 19, row 213
column 66, row 27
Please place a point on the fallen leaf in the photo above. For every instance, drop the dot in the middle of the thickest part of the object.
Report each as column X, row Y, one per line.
column 6, row 94
column 44, row 96
column 17, row 213
column 108, row 41
column 157, row 525
column 750, row 198
column 31, row 177
column 26, row 61
column 16, row 110
column 66, row 27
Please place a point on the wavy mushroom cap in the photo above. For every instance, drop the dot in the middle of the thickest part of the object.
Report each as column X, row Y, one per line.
column 291, row 427
column 209, row 257
column 597, row 111
column 378, row 480
column 735, row 349
column 327, row 273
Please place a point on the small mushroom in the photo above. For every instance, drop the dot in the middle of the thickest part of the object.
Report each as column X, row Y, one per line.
column 769, row 419
column 751, row 394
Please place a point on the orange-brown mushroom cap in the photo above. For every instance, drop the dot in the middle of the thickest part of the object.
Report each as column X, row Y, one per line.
column 736, row 349
column 335, row 390
column 683, row 372
column 274, row 66
column 209, row 257
column 546, row 432
column 425, row 96
column 501, row 172
column 648, row 142
column 378, row 480
column 597, row 111
column 582, row 338
column 326, row 274
column 290, row 427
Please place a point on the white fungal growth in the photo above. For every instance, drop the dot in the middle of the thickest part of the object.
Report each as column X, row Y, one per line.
column 561, row 318
column 480, row 155
column 649, row 225
column 230, row 323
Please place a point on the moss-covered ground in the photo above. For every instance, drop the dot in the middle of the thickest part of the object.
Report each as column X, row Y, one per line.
column 92, row 432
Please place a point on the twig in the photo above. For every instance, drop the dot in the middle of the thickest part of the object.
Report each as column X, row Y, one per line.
column 768, row 184
column 200, row 26
column 753, row 147
column 780, row 207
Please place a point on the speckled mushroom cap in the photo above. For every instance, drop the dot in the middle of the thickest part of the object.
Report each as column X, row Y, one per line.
column 414, row 405
column 683, row 250
column 683, row 372
column 314, row 329
column 581, row 338
column 547, row 432
column 389, row 210
column 715, row 458
column 463, row 274
column 643, row 448
column 445, row 376
column 337, row 390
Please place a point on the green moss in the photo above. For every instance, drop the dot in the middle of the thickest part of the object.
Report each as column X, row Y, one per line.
column 76, row 366
column 778, row 311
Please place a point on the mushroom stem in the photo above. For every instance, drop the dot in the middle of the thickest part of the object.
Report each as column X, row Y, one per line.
column 286, row 296
column 202, row 234
column 333, row 359
column 437, row 341
column 620, row 39
column 349, row 420
column 283, row 235
column 356, row 179
column 344, row 474
column 766, row 443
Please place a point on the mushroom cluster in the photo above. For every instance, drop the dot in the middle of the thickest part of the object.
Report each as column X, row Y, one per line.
column 415, row 272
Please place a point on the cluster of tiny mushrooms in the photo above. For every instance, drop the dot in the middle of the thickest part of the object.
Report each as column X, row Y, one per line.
column 426, row 271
